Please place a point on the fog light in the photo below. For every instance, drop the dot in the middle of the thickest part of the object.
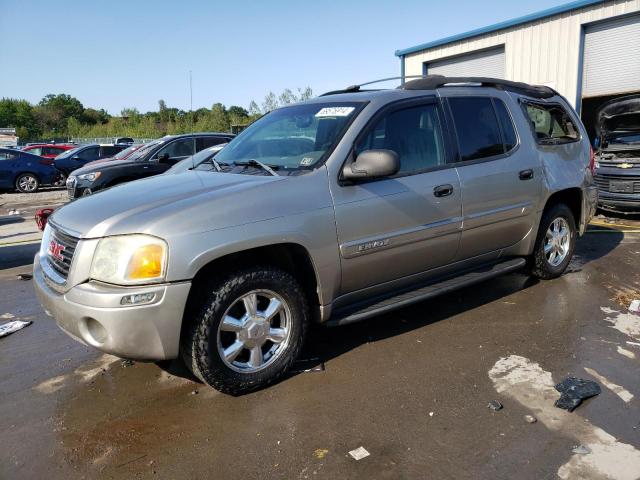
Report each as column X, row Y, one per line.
column 137, row 299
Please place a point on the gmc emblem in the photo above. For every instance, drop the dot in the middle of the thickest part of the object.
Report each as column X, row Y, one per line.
column 55, row 250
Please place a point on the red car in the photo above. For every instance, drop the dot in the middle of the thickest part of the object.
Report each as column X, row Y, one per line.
column 48, row 150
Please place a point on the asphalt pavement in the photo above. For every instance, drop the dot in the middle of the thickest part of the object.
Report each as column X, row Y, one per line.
column 411, row 387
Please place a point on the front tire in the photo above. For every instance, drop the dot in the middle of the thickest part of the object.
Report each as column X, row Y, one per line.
column 249, row 330
column 555, row 243
column 27, row 183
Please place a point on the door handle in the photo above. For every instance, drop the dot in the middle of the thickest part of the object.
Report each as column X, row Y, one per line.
column 526, row 174
column 443, row 190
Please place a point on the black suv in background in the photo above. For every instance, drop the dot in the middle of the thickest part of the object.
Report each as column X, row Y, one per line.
column 151, row 159
column 78, row 157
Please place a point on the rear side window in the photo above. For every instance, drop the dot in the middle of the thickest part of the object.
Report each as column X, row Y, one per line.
column 206, row 142
column 109, row 151
column 551, row 124
column 477, row 127
column 89, row 154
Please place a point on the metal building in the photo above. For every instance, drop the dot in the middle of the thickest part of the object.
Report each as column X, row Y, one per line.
column 588, row 50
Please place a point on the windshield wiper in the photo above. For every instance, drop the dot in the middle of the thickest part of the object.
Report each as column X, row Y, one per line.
column 211, row 161
column 269, row 168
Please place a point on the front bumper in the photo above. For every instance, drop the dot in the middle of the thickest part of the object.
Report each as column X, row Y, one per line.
column 617, row 200
column 91, row 313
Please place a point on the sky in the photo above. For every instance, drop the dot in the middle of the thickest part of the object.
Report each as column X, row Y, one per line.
column 129, row 54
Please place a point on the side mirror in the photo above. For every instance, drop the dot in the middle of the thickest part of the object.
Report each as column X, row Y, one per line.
column 163, row 158
column 372, row 164
column 76, row 157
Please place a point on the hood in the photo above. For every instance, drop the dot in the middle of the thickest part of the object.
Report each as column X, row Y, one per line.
column 97, row 162
column 102, row 164
column 166, row 205
column 621, row 115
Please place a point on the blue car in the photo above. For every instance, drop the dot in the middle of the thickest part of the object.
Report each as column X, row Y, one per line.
column 78, row 157
column 23, row 171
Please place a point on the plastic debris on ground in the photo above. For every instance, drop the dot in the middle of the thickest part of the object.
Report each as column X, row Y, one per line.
column 495, row 405
column 25, row 276
column 573, row 390
column 359, row 453
column 11, row 327
column 7, row 316
column 307, row 365
column 530, row 419
column 581, row 450
column 634, row 306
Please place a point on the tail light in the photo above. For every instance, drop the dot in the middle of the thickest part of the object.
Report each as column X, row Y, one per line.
column 592, row 161
column 46, row 161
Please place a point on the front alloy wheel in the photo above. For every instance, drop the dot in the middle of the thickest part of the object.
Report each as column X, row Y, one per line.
column 254, row 331
column 244, row 330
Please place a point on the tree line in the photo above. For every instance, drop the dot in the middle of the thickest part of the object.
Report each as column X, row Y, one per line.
column 62, row 117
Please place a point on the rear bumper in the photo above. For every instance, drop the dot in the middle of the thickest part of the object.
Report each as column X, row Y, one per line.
column 91, row 313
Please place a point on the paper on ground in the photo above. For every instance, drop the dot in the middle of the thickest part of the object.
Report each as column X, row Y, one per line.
column 11, row 327
column 359, row 453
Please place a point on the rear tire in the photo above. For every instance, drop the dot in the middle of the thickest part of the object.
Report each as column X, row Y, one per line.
column 249, row 329
column 27, row 183
column 555, row 242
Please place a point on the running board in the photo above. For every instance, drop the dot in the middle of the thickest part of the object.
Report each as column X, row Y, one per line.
column 362, row 311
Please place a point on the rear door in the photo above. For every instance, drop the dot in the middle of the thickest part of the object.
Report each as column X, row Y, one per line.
column 394, row 227
column 501, row 180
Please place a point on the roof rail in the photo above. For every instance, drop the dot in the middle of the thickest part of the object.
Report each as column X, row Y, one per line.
column 356, row 88
column 431, row 82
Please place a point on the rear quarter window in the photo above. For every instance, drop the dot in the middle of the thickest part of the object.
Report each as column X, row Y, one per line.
column 551, row 124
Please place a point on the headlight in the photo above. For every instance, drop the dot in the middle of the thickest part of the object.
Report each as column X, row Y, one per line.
column 90, row 176
column 130, row 260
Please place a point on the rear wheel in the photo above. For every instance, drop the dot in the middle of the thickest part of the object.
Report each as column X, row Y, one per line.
column 27, row 183
column 250, row 329
column 555, row 242
column 60, row 179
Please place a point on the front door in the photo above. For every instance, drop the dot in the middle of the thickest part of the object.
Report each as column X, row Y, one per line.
column 394, row 227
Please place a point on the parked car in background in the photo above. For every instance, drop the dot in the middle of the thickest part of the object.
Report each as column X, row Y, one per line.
column 121, row 155
column 151, row 159
column 618, row 155
column 124, row 140
column 24, row 171
column 48, row 150
column 333, row 210
column 80, row 156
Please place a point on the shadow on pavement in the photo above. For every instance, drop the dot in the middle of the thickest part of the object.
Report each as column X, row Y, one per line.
column 18, row 255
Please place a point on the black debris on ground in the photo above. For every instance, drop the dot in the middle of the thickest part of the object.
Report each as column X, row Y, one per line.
column 574, row 390
column 495, row 405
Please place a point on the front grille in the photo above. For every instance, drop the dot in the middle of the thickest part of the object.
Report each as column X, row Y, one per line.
column 71, row 187
column 68, row 243
column 603, row 182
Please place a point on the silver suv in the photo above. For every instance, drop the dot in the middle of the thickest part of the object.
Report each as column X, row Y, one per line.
column 333, row 210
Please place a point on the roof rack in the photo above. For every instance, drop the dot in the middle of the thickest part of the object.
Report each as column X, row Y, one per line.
column 431, row 82
column 357, row 88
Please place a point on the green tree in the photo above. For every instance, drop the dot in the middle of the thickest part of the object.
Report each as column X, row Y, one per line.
column 54, row 111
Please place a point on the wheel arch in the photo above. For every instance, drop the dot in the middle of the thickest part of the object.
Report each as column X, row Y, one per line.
column 17, row 175
column 572, row 198
column 291, row 257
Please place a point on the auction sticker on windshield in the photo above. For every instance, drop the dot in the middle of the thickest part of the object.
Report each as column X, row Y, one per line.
column 335, row 111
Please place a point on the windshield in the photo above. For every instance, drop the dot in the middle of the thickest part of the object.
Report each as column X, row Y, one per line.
column 144, row 149
column 126, row 152
column 291, row 138
column 70, row 153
